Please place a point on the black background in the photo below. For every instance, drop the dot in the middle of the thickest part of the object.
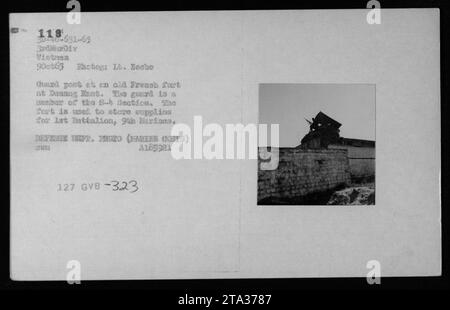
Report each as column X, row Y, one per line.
column 167, row 291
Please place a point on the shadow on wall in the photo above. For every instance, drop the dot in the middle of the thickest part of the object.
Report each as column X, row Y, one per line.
column 317, row 198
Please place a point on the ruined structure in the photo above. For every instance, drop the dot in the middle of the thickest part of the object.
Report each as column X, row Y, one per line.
column 323, row 162
column 324, row 134
column 323, row 130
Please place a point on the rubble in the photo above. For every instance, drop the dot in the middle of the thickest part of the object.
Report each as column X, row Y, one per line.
column 357, row 195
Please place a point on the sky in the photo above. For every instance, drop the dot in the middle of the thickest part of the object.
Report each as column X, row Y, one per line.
column 352, row 105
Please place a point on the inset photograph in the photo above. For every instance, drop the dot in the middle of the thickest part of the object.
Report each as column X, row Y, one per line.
column 326, row 153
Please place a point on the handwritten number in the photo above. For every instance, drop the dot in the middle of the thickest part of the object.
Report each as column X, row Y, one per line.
column 115, row 185
column 134, row 186
column 130, row 186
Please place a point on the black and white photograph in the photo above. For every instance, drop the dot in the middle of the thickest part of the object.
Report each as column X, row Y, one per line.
column 244, row 149
column 327, row 144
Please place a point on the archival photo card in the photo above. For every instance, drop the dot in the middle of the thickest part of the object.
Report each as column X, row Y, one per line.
column 138, row 152
column 327, row 152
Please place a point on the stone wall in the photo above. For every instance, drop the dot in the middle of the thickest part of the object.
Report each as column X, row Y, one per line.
column 304, row 171
column 361, row 160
